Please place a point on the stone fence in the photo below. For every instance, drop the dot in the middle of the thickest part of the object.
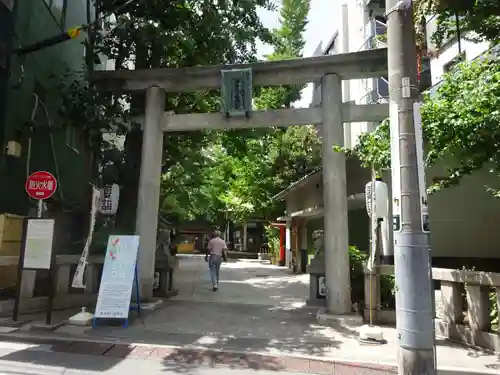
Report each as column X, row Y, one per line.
column 463, row 305
column 65, row 296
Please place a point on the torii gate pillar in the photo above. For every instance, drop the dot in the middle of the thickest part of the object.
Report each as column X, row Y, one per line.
column 338, row 293
column 149, row 188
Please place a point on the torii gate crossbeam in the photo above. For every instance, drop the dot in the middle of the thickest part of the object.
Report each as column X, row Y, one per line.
column 332, row 113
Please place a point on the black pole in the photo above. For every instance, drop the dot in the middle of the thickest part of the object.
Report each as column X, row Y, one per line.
column 170, row 279
column 15, row 314
column 50, row 301
column 49, row 42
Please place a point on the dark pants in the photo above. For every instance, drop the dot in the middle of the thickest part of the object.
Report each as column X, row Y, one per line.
column 214, row 262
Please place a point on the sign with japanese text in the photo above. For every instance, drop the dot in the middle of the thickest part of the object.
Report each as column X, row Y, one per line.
column 41, row 185
column 115, row 291
column 321, row 292
column 110, row 196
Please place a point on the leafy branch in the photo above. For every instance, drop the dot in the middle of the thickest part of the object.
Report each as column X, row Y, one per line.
column 459, row 123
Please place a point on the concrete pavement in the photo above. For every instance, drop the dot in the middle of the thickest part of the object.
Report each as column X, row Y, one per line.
column 27, row 359
column 259, row 310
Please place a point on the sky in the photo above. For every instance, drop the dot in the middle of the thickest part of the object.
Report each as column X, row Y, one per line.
column 324, row 19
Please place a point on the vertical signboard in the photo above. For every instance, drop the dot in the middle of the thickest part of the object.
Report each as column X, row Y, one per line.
column 417, row 119
column 395, row 166
column 115, row 291
column 80, row 268
column 321, row 287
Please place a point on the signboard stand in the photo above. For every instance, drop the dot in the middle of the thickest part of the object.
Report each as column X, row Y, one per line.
column 36, row 254
column 136, row 306
column 119, row 276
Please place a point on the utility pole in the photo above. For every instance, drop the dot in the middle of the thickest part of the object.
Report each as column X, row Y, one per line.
column 414, row 301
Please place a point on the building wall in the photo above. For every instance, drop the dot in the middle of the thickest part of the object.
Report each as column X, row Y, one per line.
column 55, row 147
column 66, row 155
column 359, row 229
column 307, row 196
column 464, row 218
column 440, row 57
column 358, row 33
column 310, row 193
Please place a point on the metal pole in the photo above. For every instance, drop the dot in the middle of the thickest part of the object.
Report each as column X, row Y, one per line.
column 374, row 240
column 39, row 208
column 338, row 285
column 414, row 315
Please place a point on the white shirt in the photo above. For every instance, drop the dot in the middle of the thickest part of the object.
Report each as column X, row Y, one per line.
column 216, row 246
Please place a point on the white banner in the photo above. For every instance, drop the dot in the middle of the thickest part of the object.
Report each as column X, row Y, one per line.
column 80, row 268
column 395, row 166
column 419, row 143
column 374, row 223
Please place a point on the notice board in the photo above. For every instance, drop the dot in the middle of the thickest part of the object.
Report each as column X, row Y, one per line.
column 115, row 291
column 38, row 244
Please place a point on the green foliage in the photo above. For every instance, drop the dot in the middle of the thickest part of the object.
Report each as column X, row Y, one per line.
column 205, row 172
column 357, row 260
column 256, row 164
column 273, row 239
column 479, row 20
column 288, row 43
column 462, row 120
column 374, row 149
column 494, row 309
column 460, row 125
column 179, row 33
column 388, row 291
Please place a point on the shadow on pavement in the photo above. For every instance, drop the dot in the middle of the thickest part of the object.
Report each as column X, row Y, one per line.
column 232, row 327
column 43, row 358
column 185, row 361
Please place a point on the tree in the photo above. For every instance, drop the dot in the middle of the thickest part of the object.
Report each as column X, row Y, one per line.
column 264, row 161
column 460, row 125
column 178, row 33
column 478, row 20
column 206, row 172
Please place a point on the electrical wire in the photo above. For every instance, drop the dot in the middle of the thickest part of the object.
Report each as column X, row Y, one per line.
column 71, row 33
column 39, row 102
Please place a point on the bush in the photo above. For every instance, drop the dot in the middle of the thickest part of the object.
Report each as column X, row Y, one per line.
column 273, row 241
column 387, row 286
column 494, row 315
column 357, row 260
column 388, row 291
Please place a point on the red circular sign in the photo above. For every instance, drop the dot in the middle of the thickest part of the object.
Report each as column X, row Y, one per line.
column 41, row 185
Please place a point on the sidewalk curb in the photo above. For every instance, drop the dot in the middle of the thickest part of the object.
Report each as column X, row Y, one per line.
column 298, row 362
column 289, row 362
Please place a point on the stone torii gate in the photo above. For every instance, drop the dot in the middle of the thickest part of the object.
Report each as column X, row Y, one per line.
column 331, row 114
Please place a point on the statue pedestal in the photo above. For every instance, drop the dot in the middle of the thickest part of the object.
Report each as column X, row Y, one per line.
column 317, row 285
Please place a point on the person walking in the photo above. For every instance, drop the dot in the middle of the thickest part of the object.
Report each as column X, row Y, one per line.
column 216, row 252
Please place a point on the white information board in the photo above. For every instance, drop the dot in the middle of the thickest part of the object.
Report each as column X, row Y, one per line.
column 38, row 244
column 117, row 278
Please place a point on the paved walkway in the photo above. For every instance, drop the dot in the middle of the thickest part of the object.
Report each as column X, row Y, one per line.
column 26, row 359
column 260, row 308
